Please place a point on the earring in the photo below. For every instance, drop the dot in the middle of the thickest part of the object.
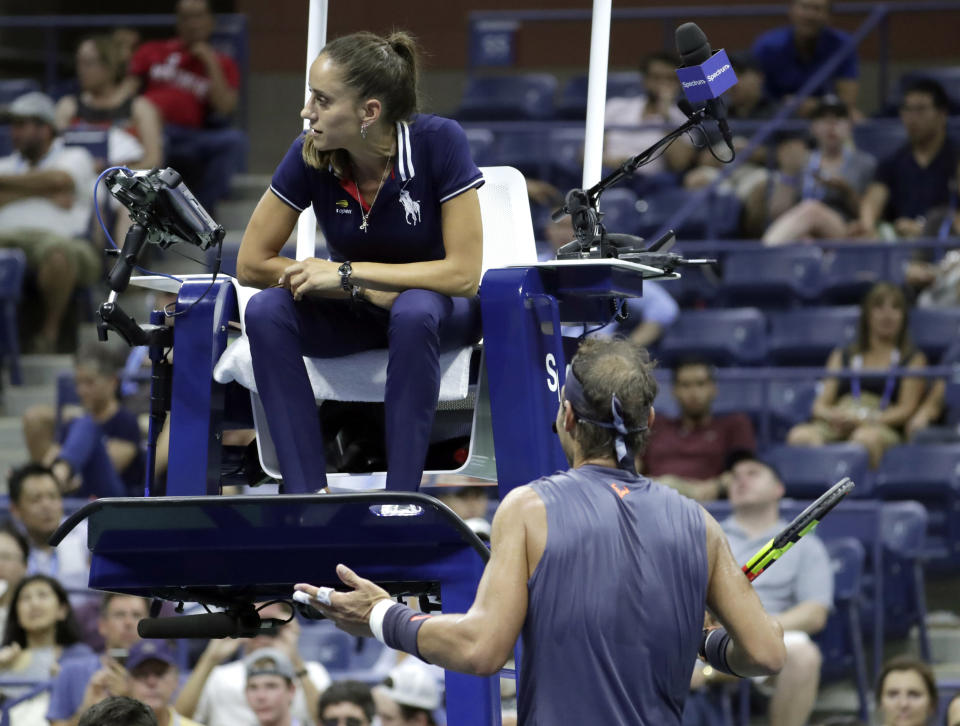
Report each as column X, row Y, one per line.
column 363, row 129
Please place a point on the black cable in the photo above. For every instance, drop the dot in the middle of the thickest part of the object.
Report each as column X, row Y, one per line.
column 216, row 271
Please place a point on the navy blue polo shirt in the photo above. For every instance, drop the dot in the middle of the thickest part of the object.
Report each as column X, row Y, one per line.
column 914, row 189
column 785, row 71
column 432, row 166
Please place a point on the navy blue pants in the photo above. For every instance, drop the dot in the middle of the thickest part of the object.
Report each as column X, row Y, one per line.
column 416, row 330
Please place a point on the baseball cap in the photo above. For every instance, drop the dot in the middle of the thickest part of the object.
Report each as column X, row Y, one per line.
column 144, row 650
column 269, row 662
column 35, row 105
column 411, row 685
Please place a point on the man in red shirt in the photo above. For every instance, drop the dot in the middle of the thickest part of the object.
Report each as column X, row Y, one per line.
column 193, row 85
column 689, row 453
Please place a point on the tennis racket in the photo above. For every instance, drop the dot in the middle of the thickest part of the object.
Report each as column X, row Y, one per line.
column 791, row 534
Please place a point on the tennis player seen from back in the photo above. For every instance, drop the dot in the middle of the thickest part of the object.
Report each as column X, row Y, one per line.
column 604, row 572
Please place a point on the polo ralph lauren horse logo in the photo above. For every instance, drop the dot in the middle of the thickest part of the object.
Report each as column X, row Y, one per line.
column 411, row 207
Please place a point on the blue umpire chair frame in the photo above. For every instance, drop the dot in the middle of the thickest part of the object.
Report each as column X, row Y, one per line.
column 192, row 545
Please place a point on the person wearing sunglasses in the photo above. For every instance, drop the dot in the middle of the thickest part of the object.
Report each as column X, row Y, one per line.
column 346, row 703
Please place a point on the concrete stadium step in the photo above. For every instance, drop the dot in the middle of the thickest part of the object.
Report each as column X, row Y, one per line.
column 11, row 436
column 17, row 399
column 248, row 186
column 40, row 369
column 234, row 214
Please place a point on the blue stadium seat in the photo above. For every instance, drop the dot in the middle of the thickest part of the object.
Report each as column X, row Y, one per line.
column 527, row 96
column 481, row 144
column 719, row 217
column 904, row 526
column 526, row 149
column 13, row 264
column 696, row 287
column 952, row 395
column 774, row 277
column 948, row 689
column 725, row 337
column 566, row 158
column 665, row 404
column 934, row 329
column 573, row 97
column 849, row 272
column 94, row 139
column 841, row 640
column 929, row 474
column 620, row 214
column 742, row 396
column 808, row 471
column 789, row 403
column 806, row 336
column 12, row 88
column 879, row 137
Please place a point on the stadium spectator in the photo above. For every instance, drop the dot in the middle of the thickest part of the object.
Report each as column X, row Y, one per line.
column 214, row 692
column 154, row 679
column 906, row 693
column 37, row 507
column 915, row 181
column 46, row 193
column 41, row 633
column 689, row 453
column 938, row 284
column 133, row 122
column 408, row 697
column 14, row 553
column 270, row 686
column 871, row 408
column 97, row 450
column 87, row 680
column 655, row 111
column 791, row 55
column 195, row 89
column 347, row 703
column 746, row 100
column 119, row 711
column 799, row 596
column 953, row 711
column 827, row 194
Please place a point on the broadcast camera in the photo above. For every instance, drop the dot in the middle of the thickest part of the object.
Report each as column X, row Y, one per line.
column 160, row 201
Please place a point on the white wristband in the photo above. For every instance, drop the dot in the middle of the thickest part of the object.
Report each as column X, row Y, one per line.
column 377, row 615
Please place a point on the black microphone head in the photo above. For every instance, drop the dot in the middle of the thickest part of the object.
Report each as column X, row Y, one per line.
column 692, row 45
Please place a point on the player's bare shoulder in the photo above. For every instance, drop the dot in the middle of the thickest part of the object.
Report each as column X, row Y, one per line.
column 523, row 513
